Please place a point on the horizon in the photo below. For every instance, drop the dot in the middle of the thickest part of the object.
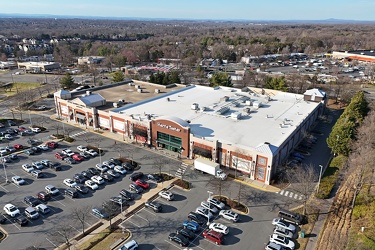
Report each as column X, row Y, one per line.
column 273, row 10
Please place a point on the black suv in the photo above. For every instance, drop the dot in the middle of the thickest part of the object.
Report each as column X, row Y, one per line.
column 186, row 232
column 115, row 161
column 93, row 171
column 79, row 178
column 31, row 201
column 135, row 188
column 128, row 166
column 136, row 176
column 71, row 192
column 81, row 188
column 21, row 220
column 197, row 218
column 54, row 165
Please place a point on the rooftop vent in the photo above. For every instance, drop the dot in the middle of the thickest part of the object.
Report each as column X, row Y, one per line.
column 195, row 106
column 236, row 115
column 222, row 110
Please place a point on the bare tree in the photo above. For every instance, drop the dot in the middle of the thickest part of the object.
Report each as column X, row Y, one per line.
column 80, row 214
column 63, row 232
column 57, row 127
column 160, row 163
column 306, row 177
column 218, row 185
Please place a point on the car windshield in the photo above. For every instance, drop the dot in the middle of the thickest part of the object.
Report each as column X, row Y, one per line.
column 12, row 209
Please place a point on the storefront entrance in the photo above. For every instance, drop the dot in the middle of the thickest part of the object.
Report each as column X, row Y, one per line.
column 169, row 142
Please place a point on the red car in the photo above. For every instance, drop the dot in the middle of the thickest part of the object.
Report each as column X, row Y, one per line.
column 142, row 184
column 60, row 156
column 78, row 157
column 52, row 144
column 213, row 236
column 18, row 146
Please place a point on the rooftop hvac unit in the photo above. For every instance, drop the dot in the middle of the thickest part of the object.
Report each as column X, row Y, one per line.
column 236, row 115
column 236, row 104
column 88, row 92
column 195, row 106
column 224, row 99
column 157, row 91
column 257, row 104
column 247, row 110
column 203, row 109
column 222, row 110
column 248, row 103
column 139, row 90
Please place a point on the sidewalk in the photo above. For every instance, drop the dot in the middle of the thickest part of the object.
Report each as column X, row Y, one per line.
column 144, row 197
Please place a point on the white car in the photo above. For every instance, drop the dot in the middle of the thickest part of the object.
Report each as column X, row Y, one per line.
column 8, row 137
column 108, row 164
column 68, row 152
column 209, row 207
column 18, row 180
column 285, row 242
column 229, row 215
column 43, row 147
column 283, row 232
column 119, row 169
column 70, row 183
column 283, row 224
column 97, row 179
column 92, row 152
column 92, row 185
column 11, row 210
column 10, row 149
column 166, row 195
column 28, row 168
column 82, row 148
column 35, row 130
column 50, row 189
column 216, row 203
column 38, row 165
column 101, row 167
column 204, row 212
column 220, row 228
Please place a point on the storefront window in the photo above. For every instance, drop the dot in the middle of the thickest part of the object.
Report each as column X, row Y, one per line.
column 169, row 142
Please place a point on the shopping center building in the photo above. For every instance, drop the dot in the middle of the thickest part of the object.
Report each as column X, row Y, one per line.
column 252, row 130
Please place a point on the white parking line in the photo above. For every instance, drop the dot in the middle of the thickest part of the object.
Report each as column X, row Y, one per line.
column 88, row 224
column 14, row 224
column 75, row 229
column 142, row 217
column 133, row 223
column 173, row 244
column 58, row 201
column 51, row 242
column 4, row 188
column 150, row 212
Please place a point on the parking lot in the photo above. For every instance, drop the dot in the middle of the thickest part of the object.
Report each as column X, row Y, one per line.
column 150, row 229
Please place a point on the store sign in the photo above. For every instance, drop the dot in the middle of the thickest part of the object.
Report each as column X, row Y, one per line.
column 169, row 127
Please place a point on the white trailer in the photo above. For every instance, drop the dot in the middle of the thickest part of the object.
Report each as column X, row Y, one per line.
column 209, row 167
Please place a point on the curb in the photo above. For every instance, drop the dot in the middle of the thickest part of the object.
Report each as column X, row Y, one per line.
column 237, row 211
column 255, row 186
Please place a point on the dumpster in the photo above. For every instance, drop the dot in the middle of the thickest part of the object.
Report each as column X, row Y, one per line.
column 302, row 234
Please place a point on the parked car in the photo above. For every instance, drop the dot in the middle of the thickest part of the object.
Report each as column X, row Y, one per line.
column 119, row 169
column 43, row 147
column 50, row 189
column 86, row 174
column 31, row 213
column 85, row 155
column 166, row 195
column 37, row 174
column 69, row 160
column 197, row 218
column 79, row 178
column 31, row 201
column 82, row 148
column 37, row 165
column 99, row 212
column 153, row 205
column 135, row 188
column 81, row 188
column 142, row 184
column 43, row 196
column 69, row 182
column 59, row 156
column 54, row 165
column 78, row 157
column 27, row 168
column 154, row 177
column 283, row 241
column 18, row 180
column 209, row 207
column 108, row 164
column 229, row 215
column 18, row 146
column 67, row 152
column 118, row 200
column 113, row 173
column 220, row 228
column 101, row 167
column 97, row 179
column 107, row 177
column 129, row 167
column 193, row 226
column 71, row 192
column 29, row 152
column 213, row 236
column 116, row 162
column 92, row 185
column 179, row 239
column 216, row 203
column 35, row 129
column 283, row 224
column 274, row 246
column 136, row 176
column 186, row 232
column 204, row 212
column 43, row 209
column 283, row 232
column 93, row 171
column 11, row 210
column 92, row 152
column 130, row 245
column 21, row 220
column 127, row 195
column 52, row 144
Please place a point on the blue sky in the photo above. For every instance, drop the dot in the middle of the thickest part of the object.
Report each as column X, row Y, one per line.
column 200, row 9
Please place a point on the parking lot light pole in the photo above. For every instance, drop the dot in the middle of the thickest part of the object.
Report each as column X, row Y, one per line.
column 5, row 172
column 100, row 155
column 320, row 177
column 208, row 217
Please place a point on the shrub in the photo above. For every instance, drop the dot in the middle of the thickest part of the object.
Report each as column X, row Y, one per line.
column 69, row 139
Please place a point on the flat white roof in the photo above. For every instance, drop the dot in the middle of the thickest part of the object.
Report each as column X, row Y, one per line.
column 272, row 122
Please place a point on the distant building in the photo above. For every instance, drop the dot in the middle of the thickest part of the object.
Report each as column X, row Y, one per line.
column 38, row 67
column 90, row 60
column 360, row 55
